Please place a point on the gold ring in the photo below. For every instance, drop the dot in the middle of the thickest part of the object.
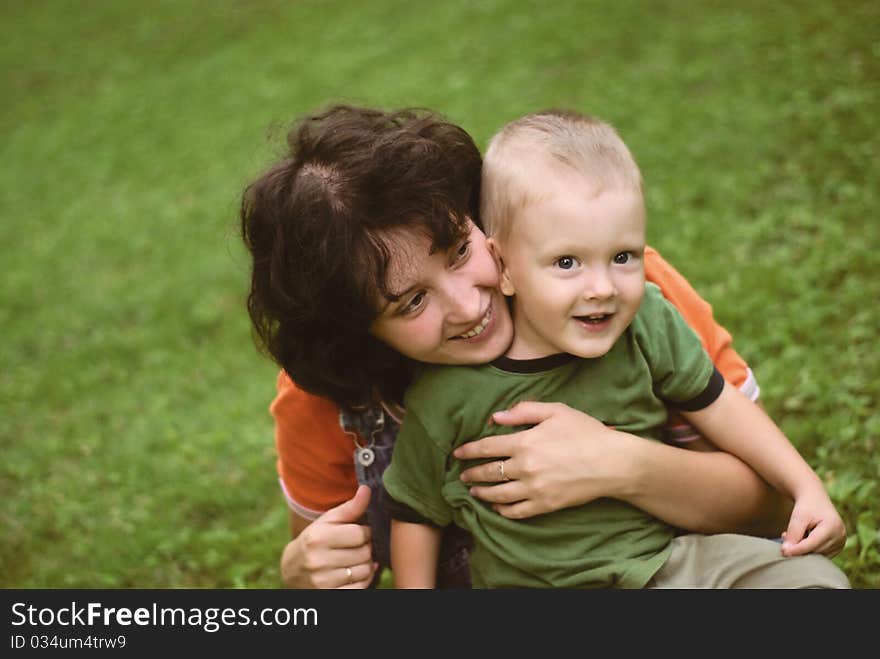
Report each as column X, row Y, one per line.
column 350, row 576
column 504, row 476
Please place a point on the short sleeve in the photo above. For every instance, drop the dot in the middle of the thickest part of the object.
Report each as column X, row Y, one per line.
column 697, row 313
column 680, row 368
column 315, row 457
column 416, row 475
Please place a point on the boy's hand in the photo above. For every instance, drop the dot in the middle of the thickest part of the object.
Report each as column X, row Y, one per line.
column 814, row 527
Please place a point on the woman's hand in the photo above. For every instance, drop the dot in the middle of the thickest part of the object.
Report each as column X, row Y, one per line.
column 567, row 458
column 570, row 458
column 333, row 551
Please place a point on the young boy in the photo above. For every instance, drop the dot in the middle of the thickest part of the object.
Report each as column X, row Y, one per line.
column 563, row 206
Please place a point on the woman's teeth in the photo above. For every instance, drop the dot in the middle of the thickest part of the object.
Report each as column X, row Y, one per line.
column 479, row 328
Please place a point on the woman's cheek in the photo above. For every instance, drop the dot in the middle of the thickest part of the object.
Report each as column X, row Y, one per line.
column 430, row 330
column 418, row 338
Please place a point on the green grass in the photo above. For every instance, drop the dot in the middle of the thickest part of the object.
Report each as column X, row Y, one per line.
column 136, row 442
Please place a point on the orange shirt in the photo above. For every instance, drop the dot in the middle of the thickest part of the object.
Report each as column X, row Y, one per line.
column 315, row 456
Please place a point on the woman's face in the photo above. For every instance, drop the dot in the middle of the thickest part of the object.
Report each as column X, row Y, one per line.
column 450, row 309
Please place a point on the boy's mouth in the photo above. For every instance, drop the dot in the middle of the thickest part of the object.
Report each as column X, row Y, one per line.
column 594, row 318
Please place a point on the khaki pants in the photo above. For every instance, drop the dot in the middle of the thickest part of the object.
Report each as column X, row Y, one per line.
column 728, row 560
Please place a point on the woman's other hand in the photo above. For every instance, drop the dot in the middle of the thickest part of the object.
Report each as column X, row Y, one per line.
column 333, row 551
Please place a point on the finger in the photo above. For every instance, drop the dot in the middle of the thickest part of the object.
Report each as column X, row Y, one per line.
column 320, row 537
column 797, row 539
column 342, row 558
column 347, row 536
column 489, row 472
column 497, row 446
column 797, row 528
column 361, row 576
column 519, row 510
column 502, row 493
column 837, row 544
column 822, row 539
column 806, row 546
column 350, row 511
column 832, row 548
column 525, row 413
column 328, row 559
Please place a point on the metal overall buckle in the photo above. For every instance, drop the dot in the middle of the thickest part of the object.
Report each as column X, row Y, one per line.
column 365, row 455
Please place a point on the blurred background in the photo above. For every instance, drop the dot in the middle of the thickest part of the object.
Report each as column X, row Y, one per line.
column 137, row 447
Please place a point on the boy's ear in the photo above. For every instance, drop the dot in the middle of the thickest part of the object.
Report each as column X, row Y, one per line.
column 506, row 285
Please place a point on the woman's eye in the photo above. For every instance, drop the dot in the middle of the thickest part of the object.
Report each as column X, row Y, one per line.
column 622, row 258
column 566, row 262
column 414, row 303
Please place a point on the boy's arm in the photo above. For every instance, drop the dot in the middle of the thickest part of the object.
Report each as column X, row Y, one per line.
column 716, row 340
column 736, row 425
column 415, row 550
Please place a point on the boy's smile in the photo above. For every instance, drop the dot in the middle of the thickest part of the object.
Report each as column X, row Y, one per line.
column 574, row 262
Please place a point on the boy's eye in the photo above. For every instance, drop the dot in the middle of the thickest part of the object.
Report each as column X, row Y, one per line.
column 566, row 262
column 463, row 250
column 622, row 258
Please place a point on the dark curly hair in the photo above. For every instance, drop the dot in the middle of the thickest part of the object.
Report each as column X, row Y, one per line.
column 317, row 227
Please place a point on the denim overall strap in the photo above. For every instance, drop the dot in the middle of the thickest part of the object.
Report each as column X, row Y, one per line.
column 376, row 431
column 372, row 428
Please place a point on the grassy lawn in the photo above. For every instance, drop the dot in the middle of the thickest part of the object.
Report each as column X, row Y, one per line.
column 136, row 442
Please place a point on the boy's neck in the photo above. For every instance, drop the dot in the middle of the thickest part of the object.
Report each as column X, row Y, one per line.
column 526, row 353
column 538, row 365
column 522, row 349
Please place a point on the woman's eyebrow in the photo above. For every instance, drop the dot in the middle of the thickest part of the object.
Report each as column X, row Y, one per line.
column 396, row 297
column 392, row 300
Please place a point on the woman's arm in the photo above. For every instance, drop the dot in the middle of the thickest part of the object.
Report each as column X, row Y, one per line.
column 316, row 473
column 415, row 550
column 569, row 458
column 333, row 551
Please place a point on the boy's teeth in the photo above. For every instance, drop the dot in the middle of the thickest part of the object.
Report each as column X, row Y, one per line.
column 478, row 329
column 595, row 317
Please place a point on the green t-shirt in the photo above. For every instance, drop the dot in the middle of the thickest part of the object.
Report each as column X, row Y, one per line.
column 604, row 543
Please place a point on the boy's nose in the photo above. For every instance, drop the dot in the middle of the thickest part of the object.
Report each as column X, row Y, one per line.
column 599, row 285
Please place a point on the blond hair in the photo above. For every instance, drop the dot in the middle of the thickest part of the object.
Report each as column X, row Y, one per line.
column 566, row 140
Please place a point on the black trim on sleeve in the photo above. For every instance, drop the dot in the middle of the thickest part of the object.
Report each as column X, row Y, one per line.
column 403, row 513
column 706, row 397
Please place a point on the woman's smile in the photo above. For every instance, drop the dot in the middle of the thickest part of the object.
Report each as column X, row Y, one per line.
column 479, row 329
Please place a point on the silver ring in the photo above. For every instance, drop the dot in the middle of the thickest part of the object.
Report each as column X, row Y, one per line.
column 504, row 476
column 350, row 576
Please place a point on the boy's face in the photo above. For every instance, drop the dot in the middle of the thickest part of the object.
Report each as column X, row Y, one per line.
column 574, row 262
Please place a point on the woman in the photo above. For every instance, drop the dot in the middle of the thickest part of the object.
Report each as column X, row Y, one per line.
column 335, row 230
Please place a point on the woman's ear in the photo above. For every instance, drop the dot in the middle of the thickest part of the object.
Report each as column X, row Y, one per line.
column 505, row 285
